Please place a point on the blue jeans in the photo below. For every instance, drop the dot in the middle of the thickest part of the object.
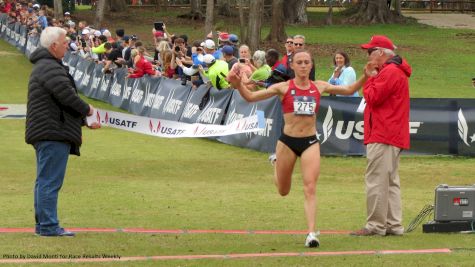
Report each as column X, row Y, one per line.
column 51, row 161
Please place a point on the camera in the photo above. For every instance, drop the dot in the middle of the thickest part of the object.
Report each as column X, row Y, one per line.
column 242, row 60
column 177, row 49
column 158, row 25
column 183, row 79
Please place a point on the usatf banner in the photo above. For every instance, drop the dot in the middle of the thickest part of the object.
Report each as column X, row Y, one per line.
column 174, row 129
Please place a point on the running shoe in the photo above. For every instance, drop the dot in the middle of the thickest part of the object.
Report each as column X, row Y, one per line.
column 272, row 159
column 312, row 240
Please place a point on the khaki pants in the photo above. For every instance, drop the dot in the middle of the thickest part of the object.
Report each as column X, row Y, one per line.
column 383, row 193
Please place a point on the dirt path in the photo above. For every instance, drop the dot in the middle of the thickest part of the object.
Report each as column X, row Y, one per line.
column 444, row 20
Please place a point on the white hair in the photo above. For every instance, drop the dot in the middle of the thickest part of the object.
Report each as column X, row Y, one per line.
column 51, row 35
column 259, row 58
column 388, row 52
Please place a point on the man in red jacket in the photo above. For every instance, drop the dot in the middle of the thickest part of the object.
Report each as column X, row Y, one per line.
column 386, row 134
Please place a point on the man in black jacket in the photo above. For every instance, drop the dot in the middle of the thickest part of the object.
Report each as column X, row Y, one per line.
column 55, row 114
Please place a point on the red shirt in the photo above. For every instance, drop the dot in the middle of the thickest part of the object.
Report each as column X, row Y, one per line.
column 288, row 100
column 141, row 68
column 386, row 116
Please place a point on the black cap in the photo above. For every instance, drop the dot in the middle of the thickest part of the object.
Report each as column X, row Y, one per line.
column 120, row 32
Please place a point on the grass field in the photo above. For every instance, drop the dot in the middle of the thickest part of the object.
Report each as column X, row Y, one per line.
column 126, row 180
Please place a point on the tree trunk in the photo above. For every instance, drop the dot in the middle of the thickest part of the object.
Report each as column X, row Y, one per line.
column 162, row 5
column 295, row 11
column 117, row 5
column 372, row 12
column 277, row 28
column 58, row 9
column 242, row 21
column 397, row 7
column 329, row 17
column 196, row 9
column 225, row 8
column 209, row 21
column 99, row 13
column 256, row 7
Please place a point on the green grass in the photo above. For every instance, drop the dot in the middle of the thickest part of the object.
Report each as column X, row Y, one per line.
column 125, row 180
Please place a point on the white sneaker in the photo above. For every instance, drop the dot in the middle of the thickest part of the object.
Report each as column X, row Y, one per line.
column 312, row 240
column 272, row 159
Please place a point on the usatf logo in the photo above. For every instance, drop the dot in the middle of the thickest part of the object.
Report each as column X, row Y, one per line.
column 463, row 129
column 154, row 129
column 347, row 129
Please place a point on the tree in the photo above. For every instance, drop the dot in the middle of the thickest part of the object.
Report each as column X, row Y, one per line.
column 329, row 18
column 58, row 9
column 101, row 4
column 209, row 21
column 224, row 8
column 117, row 5
column 277, row 28
column 242, row 21
column 397, row 7
column 373, row 11
column 195, row 12
column 256, row 7
column 296, row 11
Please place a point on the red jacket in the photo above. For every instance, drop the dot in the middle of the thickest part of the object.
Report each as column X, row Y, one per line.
column 386, row 116
column 142, row 67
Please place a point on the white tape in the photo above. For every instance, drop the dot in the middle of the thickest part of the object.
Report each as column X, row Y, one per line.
column 173, row 129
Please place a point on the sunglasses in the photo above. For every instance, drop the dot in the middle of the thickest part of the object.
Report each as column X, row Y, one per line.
column 298, row 44
column 371, row 50
column 289, row 42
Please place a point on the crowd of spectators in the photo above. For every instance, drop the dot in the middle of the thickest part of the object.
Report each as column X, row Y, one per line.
column 215, row 59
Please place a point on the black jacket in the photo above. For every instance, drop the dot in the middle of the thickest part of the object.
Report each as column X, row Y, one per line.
column 54, row 110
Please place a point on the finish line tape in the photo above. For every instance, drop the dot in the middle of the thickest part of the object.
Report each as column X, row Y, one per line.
column 174, row 129
column 116, row 258
column 12, row 111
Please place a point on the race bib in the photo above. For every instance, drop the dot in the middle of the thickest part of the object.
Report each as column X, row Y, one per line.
column 304, row 105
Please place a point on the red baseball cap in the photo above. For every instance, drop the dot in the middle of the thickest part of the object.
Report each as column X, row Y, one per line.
column 223, row 36
column 379, row 41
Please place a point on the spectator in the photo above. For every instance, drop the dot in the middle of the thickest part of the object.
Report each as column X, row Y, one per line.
column 343, row 74
column 473, row 81
column 67, row 19
column 289, row 49
column 216, row 73
column 168, row 63
column 243, row 67
column 142, row 66
column 228, row 56
column 386, row 134
column 223, row 39
column 272, row 58
column 42, row 20
column 55, row 114
column 234, row 42
column 262, row 71
column 127, row 52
